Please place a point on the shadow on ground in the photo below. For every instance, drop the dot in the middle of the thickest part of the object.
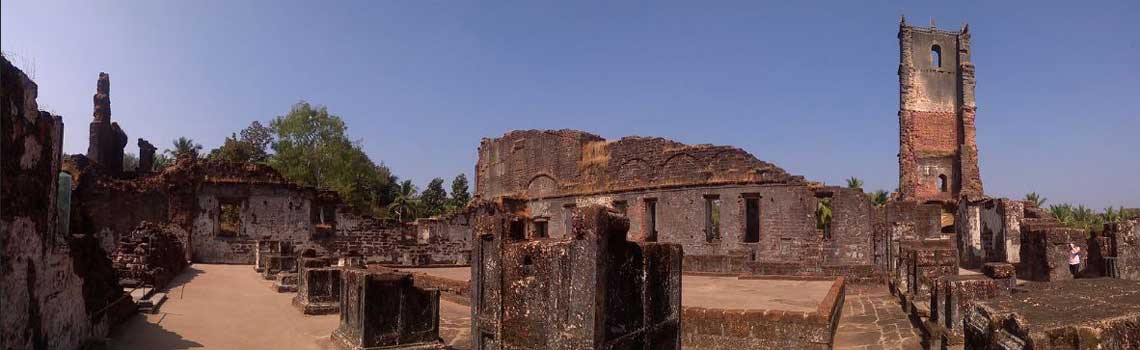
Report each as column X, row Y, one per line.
column 156, row 336
column 184, row 277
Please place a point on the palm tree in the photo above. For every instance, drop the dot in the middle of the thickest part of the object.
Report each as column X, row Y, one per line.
column 184, row 145
column 879, row 197
column 854, row 182
column 1037, row 199
column 406, row 203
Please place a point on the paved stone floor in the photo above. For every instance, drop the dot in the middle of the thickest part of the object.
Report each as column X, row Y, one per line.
column 873, row 319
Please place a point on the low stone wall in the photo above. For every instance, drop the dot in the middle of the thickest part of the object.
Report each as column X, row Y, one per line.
column 709, row 328
column 740, row 264
column 455, row 291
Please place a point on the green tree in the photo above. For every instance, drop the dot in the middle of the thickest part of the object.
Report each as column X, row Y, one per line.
column 130, row 161
column 161, row 161
column 879, row 197
column 460, row 195
column 1035, row 198
column 250, row 147
column 434, row 197
column 184, row 145
column 854, row 182
column 311, row 147
column 405, row 206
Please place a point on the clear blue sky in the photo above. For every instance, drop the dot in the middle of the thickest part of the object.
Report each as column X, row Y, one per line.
column 811, row 87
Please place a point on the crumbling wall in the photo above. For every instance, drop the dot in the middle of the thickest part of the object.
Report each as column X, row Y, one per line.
column 58, row 291
column 386, row 310
column 1101, row 313
column 150, row 255
column 590, row 290
column 546, row 163
column 1045, row 249
column 1125, row 251
column 437, row 241
column 715, row 329
column 989, row 230
column 266, row 212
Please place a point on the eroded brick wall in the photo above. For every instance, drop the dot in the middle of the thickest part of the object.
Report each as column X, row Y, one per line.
column 555, row 172
column 936, row 115
column 58, row 291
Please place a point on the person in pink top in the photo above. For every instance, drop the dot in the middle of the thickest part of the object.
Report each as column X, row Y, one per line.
column 1074, row 259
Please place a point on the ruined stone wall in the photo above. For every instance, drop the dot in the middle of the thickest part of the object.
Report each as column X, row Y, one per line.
column 544, row 163
column 590, row 290
column 1125, row 238
column 267, row 212
column 1101, row 313
column 936, row 115
column 558, row 171
column 150, row 255
column 786, row 216
column 989, row 230
column 439, row 241
column 56, row 289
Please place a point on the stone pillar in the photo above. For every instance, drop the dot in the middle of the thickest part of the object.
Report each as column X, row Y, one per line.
column 146, row 156
column 105, row 140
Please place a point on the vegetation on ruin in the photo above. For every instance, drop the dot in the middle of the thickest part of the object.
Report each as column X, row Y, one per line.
column 879, row 197
column 823, row 216
column 854, row 182
column 1035, row 198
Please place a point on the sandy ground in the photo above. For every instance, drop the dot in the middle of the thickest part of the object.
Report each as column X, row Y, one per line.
column 225, row 307
column 231, row 307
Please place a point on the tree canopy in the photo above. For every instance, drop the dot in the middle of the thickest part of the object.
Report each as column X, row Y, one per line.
column 311, row 147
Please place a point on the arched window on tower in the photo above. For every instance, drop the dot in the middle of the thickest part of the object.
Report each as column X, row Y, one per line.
column 936, row 56
column 942, row 186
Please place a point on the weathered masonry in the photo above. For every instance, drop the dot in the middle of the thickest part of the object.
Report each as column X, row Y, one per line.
column 57, row 291
column 938, row 154
column 730, row 211
column 589, row 288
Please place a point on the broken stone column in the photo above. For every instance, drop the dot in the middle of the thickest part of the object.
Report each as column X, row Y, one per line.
column 385, row 310
column 591, row 289
column 146, row 156
column 105, row 140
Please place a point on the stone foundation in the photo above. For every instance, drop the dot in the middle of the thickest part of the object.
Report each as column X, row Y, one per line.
column 384, row 310
column 590, row 290
column 1096, row 313
column 709, row 329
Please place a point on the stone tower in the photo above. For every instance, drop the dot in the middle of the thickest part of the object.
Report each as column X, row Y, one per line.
column 938, row 157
